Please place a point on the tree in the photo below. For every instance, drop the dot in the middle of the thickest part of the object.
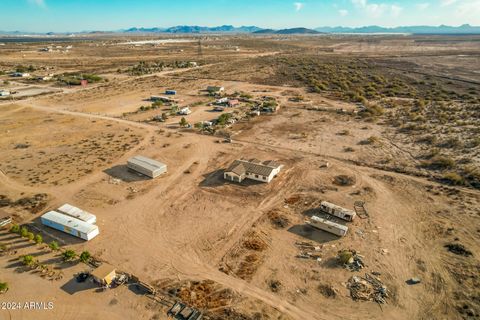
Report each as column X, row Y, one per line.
column 24, row 232
column 28, row 260
column 164, row 116
column 15, row 228
column 69, row 255
column 85, row 256
column 183, row 122
column 53, row 245
column 3, row 287
column 38, row 238
column 30, row 236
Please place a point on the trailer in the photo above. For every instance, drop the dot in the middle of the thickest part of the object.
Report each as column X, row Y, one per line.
column 170, row 92
column 70, row 225
column 80, row 214
column 337, row 211
column 149, row 167
column 328, row 226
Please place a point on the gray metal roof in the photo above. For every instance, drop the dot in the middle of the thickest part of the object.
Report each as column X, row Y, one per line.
column 70, row 222
column 75, row 212
column 147, row 163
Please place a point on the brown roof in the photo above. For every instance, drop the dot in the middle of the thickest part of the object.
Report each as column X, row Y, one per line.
column 104, row 270
column 241, row 167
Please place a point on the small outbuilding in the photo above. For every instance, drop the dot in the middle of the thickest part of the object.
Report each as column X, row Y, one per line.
column 4, row 93
column 105, row 274
column 215, row 89
column 146, row 166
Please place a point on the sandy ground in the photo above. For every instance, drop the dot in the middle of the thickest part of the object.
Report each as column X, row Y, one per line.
column 190, row 224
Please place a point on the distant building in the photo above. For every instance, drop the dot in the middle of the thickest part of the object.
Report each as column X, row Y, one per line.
column 185, row 111
column 171, row 92
column 4, row 93
column 337, row 211
column 84, row 83
column 233, row 103
column 149, row 167
column 215, row 89
column 21, row 74
column 253, row 169
column 105, row 274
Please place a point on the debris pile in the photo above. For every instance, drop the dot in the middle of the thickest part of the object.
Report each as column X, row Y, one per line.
column 308, row 251
column 34, row 204
column 368, row 288
column 278, row 220
column 351, row 260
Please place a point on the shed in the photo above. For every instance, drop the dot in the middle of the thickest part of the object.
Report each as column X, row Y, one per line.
column 4, row 93
column 80, row 214
column 104, row 274
column 171, row 92
column 215, row 89
column 70, row 225
column 147, row 166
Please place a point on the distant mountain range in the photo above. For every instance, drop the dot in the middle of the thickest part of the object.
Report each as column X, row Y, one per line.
column 463, row 29
column 196, row 29
column 287, row 31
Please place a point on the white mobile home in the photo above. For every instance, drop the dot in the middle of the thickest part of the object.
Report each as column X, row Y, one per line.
column 80, row 214
column 328, row 226
column 146, row 166
column 337, row 211
column 4, row 93
column 70, row 225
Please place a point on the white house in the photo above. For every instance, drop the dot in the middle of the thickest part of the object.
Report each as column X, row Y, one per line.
column 4, row 93
column 21, row 74
column 253, row 169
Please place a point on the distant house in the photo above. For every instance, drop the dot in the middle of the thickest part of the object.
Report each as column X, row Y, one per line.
column 4, row 93
column 83, row 83
column 253, row 169
column 215, row 89
column 221, row 102
column 21, row 74
column 185, row 111
column 233, row 102
column 170, row 92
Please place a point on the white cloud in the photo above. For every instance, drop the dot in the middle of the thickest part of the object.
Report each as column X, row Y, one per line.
column 422, row 6
column 343, row 12
column 468, row 11
column 299, row 6
column 395, row 10
column 40, row 3
column 445, row 3
column 377, row 10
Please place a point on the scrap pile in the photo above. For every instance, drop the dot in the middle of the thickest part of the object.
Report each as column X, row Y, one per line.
column 308, row 251
column 351, row 260
column 368, row 288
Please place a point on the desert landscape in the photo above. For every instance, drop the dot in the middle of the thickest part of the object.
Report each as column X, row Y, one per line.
column 384, row 125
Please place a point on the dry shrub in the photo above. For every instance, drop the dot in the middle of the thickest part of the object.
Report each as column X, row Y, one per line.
column 327, row 291
column 344, row 180
column 278, row 220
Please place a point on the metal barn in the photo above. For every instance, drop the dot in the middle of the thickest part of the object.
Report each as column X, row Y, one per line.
column 149, row 167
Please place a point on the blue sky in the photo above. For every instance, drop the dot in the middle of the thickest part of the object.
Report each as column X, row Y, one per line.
column 81, row 15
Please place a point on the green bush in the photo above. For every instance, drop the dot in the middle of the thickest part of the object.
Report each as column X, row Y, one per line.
column 454, row 178
column 85, row 256
column 38, row 238
column 24, row 232
column 69, row 255
column 53, row 245
column 15, row 228
column 3, row 287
